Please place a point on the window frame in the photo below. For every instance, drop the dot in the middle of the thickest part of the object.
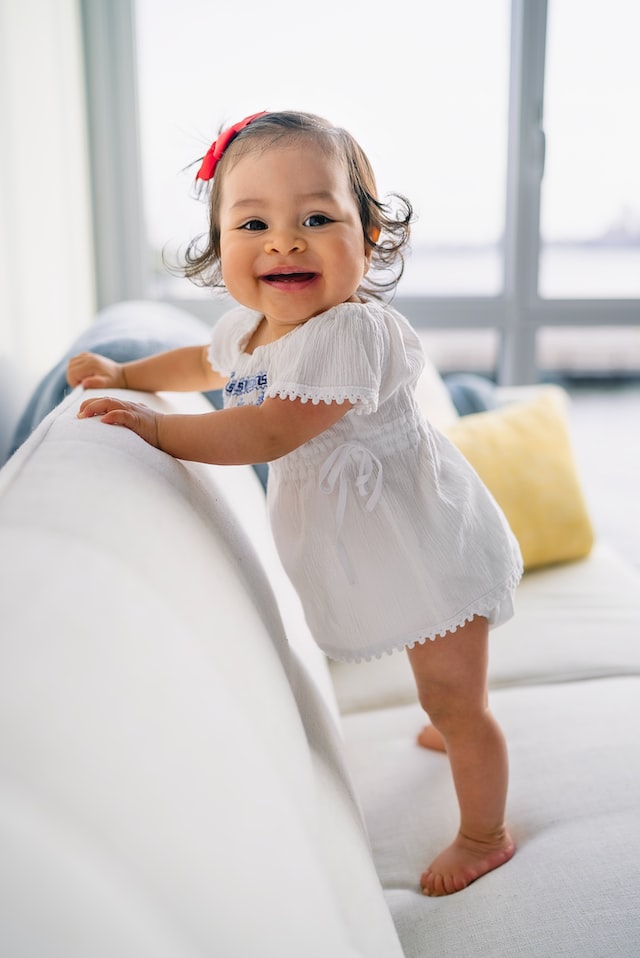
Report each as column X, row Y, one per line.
column 516, row 314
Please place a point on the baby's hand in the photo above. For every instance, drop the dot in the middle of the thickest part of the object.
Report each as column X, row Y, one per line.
column 95, row 372
column 132, row 415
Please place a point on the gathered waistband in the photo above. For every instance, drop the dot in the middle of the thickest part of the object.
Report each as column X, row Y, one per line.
column 307, row 461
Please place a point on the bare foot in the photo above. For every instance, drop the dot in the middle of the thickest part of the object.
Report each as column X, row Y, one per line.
column 463, row 862
column 429, row 737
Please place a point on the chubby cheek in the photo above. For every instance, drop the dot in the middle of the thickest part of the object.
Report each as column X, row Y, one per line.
column 236, row 270
column 359, row 254
column 359, row 261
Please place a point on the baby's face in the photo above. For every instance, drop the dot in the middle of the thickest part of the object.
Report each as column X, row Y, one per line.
column 291, row 240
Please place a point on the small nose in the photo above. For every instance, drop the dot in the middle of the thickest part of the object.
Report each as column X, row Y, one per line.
column 284, row 241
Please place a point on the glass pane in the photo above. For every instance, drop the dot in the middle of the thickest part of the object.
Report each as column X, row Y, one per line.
column 425, row 94
column 462, row 350
column 590, row 352
column 590, row 214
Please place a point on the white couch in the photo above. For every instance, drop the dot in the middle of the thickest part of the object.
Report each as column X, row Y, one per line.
column 182, row 773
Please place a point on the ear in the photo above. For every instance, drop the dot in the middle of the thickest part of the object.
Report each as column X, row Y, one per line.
column 374, row 236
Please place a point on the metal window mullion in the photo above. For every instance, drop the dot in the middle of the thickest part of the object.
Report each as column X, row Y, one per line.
column 525, row 168
column 114, row 147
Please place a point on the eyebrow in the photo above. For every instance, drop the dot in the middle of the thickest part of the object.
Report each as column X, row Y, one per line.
column 319, row 195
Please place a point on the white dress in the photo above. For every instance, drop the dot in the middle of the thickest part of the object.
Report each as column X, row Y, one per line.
column 388, row 535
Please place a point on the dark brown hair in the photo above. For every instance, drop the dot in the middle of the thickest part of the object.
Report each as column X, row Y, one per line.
column 386, row 230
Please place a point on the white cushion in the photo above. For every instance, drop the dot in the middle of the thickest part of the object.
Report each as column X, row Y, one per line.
column 156, row 743
column 433, row 397
column 146, row 775
column 571, row 888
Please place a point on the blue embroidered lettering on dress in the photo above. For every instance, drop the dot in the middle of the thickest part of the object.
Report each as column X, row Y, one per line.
column 244, row 387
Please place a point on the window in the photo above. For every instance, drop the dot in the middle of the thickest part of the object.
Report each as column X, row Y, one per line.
column 453, row 103
column 590, row 222
column 425, row 91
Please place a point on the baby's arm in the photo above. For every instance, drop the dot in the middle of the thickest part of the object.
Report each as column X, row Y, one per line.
column 185, row 370
column 244, row 434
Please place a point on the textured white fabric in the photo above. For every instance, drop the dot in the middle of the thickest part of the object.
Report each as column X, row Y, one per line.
column 433, row 397
column 571, row 889
column 164, row 755
column 385, row 530
column 580, row 620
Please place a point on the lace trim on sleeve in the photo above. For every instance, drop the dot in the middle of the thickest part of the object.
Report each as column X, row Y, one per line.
column 363, row 400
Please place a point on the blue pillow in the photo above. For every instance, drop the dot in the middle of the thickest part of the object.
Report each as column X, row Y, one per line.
column 123, row 332
column 470, row 393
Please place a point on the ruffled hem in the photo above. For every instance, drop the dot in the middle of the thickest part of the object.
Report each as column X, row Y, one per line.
column 482, row 607
column 364, row 400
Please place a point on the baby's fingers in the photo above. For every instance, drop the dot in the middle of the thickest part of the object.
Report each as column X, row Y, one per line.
column 114, row 412
column 131, row 419
column 93, row 372
column 79, row 367
column 95, row 382
column 98, row 407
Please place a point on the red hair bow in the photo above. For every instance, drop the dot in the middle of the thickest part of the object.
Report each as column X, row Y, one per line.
column 217, row 148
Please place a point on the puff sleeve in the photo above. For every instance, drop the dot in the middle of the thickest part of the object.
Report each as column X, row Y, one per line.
column 229, row 337
column 338, row 356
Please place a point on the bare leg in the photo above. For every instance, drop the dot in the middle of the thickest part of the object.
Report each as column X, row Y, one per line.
column 451, row 677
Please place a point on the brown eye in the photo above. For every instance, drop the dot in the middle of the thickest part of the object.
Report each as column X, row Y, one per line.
column 317, row 219
column 253, row 225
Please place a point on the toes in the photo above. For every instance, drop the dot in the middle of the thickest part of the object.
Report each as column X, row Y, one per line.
column 436, row 885
column 429, row 738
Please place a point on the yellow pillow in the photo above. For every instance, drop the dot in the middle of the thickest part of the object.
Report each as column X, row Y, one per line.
column 523, row 454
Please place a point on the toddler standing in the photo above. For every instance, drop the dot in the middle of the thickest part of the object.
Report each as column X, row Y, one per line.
column 388, row 535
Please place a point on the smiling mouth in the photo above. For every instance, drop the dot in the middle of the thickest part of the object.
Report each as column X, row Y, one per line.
column 288, row 277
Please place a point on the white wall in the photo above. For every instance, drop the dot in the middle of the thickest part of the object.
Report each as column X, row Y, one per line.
column 46, row 258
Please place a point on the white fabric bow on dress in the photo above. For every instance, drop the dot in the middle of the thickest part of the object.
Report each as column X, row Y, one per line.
column 335, row 471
